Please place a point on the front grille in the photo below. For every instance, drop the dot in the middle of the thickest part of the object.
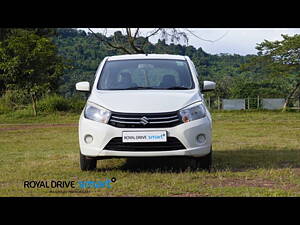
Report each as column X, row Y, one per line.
column 171, row 144
column 144, row 120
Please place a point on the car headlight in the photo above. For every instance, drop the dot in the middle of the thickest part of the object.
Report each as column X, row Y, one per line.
column 193, row 112
column 96, row 113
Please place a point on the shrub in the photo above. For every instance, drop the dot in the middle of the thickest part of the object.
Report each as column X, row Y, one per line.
column 53, row 103
column 76, row 104
column 4, row 108
column 13, row 100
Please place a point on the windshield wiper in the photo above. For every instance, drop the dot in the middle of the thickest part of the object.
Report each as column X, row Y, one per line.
column 135, row 88
column 177, row 88
column 152, row 88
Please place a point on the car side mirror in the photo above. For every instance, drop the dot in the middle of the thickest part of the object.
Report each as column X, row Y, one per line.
column 83, row 86
column 208, row 86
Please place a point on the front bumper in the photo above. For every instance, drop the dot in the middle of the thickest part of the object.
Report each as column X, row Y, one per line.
column 186, row 133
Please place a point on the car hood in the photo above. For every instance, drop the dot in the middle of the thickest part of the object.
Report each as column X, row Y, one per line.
column 145, row 101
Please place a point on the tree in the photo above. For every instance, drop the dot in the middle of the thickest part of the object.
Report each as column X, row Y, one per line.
column 135, row 42
column 29, row 64
column 285, row 57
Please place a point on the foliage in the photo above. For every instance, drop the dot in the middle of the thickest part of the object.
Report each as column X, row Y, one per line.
column 4, row 107
column 232, row 73
column 41, row 61
column 13, row 100
column 282, row 58
column 56, row 103
column 29, row 63
column 83, row 53
column 285, row 52
column 53, row 103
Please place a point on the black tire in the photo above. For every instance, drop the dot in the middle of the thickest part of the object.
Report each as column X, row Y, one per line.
column 205, row 162
column 87, row 163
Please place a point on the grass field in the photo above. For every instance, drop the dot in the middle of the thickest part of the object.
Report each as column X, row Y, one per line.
column 255, row 154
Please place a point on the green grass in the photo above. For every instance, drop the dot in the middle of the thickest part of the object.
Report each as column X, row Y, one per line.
column 26, row 117
column 255, row 154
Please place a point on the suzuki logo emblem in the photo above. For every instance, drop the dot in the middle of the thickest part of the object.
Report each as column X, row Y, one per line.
column 144, row 120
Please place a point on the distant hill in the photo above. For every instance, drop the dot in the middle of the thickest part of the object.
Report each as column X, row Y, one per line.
column 83, row 52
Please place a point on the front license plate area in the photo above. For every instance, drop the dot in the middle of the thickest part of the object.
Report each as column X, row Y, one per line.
column 144, row 136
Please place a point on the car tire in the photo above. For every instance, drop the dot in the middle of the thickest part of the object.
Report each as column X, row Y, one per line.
column 87, row 163
column 205, row 162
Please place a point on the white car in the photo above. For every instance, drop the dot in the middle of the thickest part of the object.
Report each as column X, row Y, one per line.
column 145, row 105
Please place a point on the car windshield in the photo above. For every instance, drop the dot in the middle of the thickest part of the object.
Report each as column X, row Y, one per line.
column 160, row 74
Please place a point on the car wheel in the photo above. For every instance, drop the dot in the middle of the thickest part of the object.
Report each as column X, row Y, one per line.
column 87, row 163
column 205, row 162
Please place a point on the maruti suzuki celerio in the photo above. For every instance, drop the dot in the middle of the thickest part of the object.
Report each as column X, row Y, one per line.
column 145, row 106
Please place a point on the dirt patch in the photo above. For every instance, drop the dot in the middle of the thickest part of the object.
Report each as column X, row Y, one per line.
column 235, row 182
column 31, row 126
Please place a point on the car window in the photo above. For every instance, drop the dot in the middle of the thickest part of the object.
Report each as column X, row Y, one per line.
column 145, row 74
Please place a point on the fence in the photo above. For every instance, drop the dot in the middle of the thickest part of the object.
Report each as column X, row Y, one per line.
column 233, row 104
column 273, row 103
column 251, row 103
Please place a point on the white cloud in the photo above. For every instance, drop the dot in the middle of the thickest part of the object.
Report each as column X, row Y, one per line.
column 238, row 41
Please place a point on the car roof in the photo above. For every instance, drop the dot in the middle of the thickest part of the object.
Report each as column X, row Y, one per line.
column 146, row 56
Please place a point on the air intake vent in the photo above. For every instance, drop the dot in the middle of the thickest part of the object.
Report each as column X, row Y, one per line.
column 172, row 143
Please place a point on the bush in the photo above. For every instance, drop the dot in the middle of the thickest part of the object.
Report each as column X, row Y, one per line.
column 53, row 103
column 76, row 104
column 13, row 100
column 4, row 108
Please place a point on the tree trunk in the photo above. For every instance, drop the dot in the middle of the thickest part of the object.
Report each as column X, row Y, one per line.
column 33, row 100
column 289, row 96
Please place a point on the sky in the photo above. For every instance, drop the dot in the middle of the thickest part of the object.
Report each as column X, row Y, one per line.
column 240, row 41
